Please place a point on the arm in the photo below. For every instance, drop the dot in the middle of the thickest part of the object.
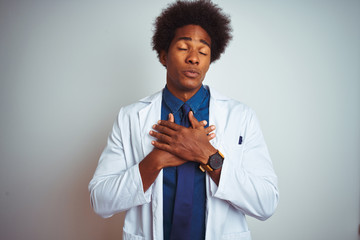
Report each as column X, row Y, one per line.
column 152, row 164
column 116, row 185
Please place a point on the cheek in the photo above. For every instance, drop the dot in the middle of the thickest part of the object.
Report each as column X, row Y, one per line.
column 206, row 64
column 206, row 68
column 172, row 62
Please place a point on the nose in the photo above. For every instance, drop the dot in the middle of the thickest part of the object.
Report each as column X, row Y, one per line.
column 193, row 58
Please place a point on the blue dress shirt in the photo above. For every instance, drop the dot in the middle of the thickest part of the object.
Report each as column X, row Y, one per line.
column 199, row 104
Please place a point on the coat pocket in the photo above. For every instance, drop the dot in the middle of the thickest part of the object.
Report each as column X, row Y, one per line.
column 233, row 154
column 236, row 236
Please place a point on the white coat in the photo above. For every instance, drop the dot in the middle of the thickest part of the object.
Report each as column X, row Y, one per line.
column 248, row 184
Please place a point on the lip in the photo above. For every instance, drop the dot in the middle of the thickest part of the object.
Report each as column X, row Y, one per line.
column 191, row 73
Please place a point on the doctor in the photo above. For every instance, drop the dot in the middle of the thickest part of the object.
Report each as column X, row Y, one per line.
column 176, row 175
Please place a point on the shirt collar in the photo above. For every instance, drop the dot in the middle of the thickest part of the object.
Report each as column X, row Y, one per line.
column 171, row 101
column 194, row 102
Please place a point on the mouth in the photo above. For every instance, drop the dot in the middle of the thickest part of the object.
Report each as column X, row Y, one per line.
column 191, row 73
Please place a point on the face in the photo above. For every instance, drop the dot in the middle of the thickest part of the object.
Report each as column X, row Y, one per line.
column 187, row 61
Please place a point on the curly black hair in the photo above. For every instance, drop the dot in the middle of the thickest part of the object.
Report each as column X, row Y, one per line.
column 202, row 13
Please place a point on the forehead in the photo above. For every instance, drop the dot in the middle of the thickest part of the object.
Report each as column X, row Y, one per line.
column 193, row 33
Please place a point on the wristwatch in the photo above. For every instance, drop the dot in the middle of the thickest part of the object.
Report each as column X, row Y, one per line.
column 215, row 162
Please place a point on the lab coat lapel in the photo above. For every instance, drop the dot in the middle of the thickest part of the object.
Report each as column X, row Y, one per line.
column 217, row 117
column 148, row 116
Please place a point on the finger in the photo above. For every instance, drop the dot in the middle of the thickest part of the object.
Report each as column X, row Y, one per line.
column 169, row 124
column 164, row 130
column 171, row 117
column 210, row 129
column 160, row 137
column 211, row 136
column 194, row 122
column 203, row 123
column 161, row 146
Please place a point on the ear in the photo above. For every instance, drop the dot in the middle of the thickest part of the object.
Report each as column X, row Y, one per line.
column 163, row 57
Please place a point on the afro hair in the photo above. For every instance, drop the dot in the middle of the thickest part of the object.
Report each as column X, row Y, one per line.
column 202, row 13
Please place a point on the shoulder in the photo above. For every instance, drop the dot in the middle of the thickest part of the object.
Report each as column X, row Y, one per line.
column 140, row 104
column 229, row 104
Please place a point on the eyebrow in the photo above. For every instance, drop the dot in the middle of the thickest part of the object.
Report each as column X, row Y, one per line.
column 190, row 39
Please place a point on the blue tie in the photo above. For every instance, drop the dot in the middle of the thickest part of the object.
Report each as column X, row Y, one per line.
column 181, row 225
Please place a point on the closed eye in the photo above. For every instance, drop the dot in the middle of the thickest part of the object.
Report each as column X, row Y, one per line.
column 202, row 53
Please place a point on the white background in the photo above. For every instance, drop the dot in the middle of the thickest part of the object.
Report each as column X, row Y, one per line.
column 66, row 68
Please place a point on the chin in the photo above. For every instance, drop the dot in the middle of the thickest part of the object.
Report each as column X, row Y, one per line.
column 191, row 83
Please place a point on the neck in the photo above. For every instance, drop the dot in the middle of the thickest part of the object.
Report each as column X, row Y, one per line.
column 183, row 95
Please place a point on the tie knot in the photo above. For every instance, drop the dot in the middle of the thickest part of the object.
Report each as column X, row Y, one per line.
column 185, row 109
column 184, row 121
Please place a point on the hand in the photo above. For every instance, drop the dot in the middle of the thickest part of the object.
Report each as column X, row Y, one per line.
column 156, row 160
column 165, row 159
column 195, row 124
column 191, row 144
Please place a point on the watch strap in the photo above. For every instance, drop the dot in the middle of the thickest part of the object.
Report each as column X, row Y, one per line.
column 205, row 167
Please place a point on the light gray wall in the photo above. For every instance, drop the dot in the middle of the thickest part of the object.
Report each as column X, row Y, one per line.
column 66, row 68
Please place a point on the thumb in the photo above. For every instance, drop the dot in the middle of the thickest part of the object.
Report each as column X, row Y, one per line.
column 171, row 117
column 194, row 122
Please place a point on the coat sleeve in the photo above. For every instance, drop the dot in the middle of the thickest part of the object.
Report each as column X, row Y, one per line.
column 116, row 185
column 248, row 181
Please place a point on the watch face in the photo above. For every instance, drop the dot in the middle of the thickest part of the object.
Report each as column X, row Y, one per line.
column 216, row 161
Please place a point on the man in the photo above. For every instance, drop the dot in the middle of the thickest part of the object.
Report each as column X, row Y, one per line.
column 176, row 176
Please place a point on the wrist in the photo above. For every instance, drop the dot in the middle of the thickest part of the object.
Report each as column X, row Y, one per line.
column 163, row 159
column 214, row 163
column 209, row 152
column 153, row 160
